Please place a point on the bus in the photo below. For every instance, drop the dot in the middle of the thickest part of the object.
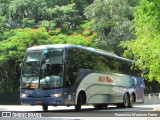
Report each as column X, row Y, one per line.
column 74, row 75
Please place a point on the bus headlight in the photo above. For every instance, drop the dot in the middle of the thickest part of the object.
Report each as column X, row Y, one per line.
column 56, row 95
column 24, row 95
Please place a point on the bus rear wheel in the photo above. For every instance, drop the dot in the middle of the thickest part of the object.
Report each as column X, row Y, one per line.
column 125, row 103
column 131, row 102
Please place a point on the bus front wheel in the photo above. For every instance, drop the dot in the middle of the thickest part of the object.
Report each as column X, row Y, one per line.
column 79, row 103
column 45, row 107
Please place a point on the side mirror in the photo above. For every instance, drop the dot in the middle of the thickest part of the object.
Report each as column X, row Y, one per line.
column 18, row 67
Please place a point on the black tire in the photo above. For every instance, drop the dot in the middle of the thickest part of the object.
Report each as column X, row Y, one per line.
column 79, row 103
column 45, row 107
column 100, row 106
column 125, row 103
column 131, row 101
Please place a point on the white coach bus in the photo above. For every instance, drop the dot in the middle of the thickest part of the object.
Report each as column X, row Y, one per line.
column 66, row 75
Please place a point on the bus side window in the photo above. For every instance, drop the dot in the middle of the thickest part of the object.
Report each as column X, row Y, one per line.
column 71, row 67
column 71, row 74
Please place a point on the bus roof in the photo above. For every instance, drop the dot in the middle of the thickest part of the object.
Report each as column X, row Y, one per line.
column 98, row 51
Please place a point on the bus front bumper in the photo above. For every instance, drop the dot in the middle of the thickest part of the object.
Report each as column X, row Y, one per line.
column 42, row 101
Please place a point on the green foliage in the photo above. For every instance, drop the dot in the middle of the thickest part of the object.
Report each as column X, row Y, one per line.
column 17, row 41
column 67, row 14
column 34, row 13
column 15, row 46
column 55, row 31
column 2, row 19
column 64, row 14
column 66, row 17
column 111, row 20
column 146, row 47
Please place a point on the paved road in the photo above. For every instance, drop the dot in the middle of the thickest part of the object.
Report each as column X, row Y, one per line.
column 57, row 113
column 71, row 109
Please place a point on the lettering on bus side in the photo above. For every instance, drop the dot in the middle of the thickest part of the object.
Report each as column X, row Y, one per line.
column 105, row 79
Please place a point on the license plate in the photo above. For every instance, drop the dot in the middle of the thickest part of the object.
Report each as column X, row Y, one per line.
column 38, row 101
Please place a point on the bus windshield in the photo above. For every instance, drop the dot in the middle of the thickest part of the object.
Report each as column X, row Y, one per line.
column 43, row 69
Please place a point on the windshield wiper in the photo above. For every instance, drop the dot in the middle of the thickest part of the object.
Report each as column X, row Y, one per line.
column 33, row 77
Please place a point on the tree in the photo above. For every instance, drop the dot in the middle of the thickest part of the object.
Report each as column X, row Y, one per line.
column 2, row 19
column 112, row 20
column 67, row 14
column 3, row 11
column 145, row 49
column 49, row 13
column 27, row 13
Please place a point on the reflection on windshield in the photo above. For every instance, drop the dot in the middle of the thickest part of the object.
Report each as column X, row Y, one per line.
column 52, row 76
column 32, row 68
column 32, row 63
column 51, row 69
column 43, row 69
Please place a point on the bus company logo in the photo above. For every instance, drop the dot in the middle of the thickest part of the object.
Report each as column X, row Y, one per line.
column 6, row 114
column 105, row 79
column 20, row 114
